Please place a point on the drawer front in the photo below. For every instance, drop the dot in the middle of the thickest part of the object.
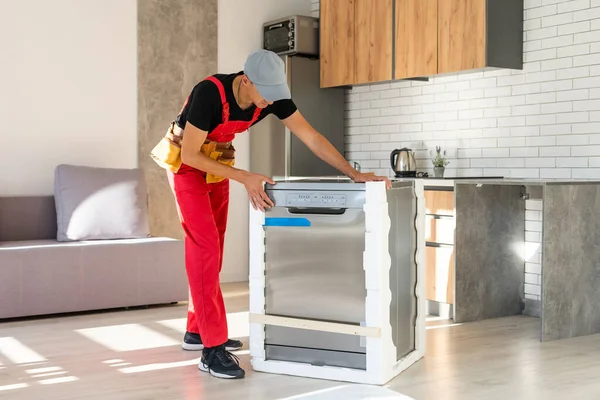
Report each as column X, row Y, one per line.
column 439, row 230
column 439, row 202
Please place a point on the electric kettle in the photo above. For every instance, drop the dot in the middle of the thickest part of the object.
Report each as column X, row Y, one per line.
column 403, row 163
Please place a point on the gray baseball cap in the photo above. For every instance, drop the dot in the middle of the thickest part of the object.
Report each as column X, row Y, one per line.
column 266, row 71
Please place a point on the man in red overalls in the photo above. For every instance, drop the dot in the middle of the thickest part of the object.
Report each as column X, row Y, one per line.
column 217, row 109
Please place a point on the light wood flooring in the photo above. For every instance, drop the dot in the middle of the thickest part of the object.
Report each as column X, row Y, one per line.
column 136, row 354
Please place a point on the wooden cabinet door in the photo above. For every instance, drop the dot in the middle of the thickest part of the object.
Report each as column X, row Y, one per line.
column 337, row 53
column 440, row 274
column 439, row 202
column 461, row 35
column 416, row 47
column 439, row 254
column 373, row 33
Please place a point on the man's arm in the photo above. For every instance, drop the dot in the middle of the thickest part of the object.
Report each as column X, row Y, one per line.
column 323, row 149
column 318, row 144
column 193, row 139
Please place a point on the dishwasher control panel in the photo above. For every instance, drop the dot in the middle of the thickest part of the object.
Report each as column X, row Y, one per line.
column 307, row 199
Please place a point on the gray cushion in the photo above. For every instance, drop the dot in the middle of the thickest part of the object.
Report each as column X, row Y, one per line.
column 100, row 203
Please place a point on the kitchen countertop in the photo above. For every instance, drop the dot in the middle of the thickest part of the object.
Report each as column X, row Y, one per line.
column 345, row 183
column 527, row 181
column 342, row 181
column 449, row 181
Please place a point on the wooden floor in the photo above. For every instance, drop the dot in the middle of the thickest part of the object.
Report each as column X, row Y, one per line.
column 136, row 354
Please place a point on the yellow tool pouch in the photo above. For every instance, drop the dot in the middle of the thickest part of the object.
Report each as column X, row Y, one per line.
column 221, row 152
column 167, row 153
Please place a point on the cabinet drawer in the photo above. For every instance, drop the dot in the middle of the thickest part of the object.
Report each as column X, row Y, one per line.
column 439, row 230
column 440, row 274
column 439, row 202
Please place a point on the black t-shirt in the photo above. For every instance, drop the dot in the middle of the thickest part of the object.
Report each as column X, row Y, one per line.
column 203, row 108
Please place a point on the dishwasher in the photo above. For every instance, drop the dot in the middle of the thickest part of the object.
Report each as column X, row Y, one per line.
column 314, row 244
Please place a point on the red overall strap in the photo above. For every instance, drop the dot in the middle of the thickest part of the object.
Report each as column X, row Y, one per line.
column 224, row 102
column 226, row 130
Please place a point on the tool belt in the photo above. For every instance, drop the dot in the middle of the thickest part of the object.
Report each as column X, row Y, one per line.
column 167, row 153
column 223, row 152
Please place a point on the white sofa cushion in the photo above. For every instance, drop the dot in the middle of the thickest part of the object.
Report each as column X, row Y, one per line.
column 100, row 203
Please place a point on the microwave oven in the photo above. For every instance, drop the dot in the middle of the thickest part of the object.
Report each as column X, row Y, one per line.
column 292, row 35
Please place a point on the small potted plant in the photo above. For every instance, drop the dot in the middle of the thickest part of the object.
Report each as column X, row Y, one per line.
column 439, row 162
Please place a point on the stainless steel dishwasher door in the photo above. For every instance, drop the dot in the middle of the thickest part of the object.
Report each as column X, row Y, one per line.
column 316, row 272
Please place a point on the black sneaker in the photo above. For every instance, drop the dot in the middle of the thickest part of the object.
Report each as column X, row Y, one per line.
column 220, row 363
column 193, row 342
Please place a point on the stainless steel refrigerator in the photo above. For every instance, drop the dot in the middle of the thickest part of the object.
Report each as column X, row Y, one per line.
column 277, row 152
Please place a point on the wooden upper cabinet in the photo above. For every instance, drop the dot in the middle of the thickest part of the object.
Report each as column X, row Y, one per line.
column 477, row 34
column 337, row 42
column 373, row 40
column 368, row 41
column 462, row 35
column 416, row 37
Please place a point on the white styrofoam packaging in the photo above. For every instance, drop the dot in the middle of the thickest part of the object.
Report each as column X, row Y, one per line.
column 381, row 365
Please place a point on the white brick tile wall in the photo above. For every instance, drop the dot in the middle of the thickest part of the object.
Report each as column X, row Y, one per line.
column 543, row 121
column 537, row 12
column 571, row 73
column 559, row 19
column 566, row 6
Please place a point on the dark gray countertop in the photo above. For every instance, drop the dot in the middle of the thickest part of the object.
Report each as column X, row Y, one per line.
column 344, row 183
column 528, row 181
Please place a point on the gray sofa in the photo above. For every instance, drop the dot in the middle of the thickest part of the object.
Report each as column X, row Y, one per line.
column 40, row 275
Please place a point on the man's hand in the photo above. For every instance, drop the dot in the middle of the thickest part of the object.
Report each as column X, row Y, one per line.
column 190, row 154
column 256, row 193
column 361, row 177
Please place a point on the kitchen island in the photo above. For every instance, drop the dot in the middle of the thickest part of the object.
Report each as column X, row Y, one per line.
column 337, row 280
column 491, row 252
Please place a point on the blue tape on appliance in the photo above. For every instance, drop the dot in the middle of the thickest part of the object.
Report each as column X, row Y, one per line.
column 278, row 221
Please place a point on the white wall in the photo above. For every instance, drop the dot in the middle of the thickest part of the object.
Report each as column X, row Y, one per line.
column 542, row 122
column 67, row 89
column 240, row 24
